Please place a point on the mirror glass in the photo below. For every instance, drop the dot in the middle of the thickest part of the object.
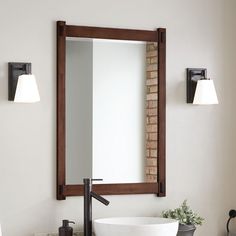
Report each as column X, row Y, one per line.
column 111, row 110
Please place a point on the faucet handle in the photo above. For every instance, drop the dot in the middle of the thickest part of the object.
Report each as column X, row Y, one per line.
column 96, row 179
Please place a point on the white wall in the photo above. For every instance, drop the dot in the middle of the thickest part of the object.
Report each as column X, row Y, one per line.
column 119, row 78
column 200, row 140
column 79, row 104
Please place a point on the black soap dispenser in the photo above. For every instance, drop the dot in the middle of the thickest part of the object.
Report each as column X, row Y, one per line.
column 65, row 229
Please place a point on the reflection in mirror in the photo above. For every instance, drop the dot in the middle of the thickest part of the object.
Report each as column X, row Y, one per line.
column 79, row 99
column 111, row 110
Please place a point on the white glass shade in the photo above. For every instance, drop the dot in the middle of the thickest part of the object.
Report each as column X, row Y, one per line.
column 27, row 90
column 0, row 231
column 205, row 93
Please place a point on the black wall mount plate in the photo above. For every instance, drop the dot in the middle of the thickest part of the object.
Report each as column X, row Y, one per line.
column 15, row 69
column 193, row 75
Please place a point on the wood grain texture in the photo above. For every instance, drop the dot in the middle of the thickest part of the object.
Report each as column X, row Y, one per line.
column 162, row 111
column 113, row 189
column 110, row 33
column 61, row 70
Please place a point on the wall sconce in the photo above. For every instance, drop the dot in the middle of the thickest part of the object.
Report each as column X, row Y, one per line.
column 200, row 90
column 22, row 86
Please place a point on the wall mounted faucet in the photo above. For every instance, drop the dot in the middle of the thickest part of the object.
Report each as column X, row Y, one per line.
column 88, row 194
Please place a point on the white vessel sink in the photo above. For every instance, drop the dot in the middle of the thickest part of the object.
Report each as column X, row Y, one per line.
column 135, row 226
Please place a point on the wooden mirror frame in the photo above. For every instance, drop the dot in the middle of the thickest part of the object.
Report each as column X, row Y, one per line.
column 159, row 36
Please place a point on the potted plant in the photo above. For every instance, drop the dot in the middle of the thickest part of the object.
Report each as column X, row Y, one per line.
column 187, row 218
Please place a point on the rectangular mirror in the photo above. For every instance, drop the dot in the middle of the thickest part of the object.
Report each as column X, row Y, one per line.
column 110, row 110
column 105, row 110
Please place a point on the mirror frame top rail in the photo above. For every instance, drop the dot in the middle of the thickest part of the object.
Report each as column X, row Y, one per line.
column 64, row 190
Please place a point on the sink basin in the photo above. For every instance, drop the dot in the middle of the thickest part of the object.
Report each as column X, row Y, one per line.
column 135, row 226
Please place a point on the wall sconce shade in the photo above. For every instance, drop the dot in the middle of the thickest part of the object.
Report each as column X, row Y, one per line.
column 205, row 93
column 27, row 90
column 200, row 90
column 22, row 86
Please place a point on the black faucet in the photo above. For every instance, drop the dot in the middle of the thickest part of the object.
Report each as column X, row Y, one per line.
column 88, row 194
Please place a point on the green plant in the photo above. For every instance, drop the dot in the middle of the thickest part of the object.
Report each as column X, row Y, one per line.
column 184, row 215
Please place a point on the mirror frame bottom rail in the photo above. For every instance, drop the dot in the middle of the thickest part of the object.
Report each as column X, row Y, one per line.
column 114, row 189
column 64, row 190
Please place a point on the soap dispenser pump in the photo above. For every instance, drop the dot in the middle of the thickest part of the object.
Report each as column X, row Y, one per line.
column 65, row 229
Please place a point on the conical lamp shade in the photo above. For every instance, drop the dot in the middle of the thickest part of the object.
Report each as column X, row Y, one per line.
column 205, row 93
column 27, row 89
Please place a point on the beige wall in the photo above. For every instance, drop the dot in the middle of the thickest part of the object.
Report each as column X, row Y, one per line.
column 200, row 140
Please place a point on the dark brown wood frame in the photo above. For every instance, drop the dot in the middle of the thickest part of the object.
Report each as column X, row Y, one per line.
column 159, row 36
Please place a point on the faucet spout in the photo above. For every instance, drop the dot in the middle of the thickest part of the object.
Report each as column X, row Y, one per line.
column 88, row 195
column 100, row 198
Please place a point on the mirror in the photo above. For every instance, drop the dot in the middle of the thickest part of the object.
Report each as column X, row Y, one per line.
column 105, row 110
column 111, row 110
